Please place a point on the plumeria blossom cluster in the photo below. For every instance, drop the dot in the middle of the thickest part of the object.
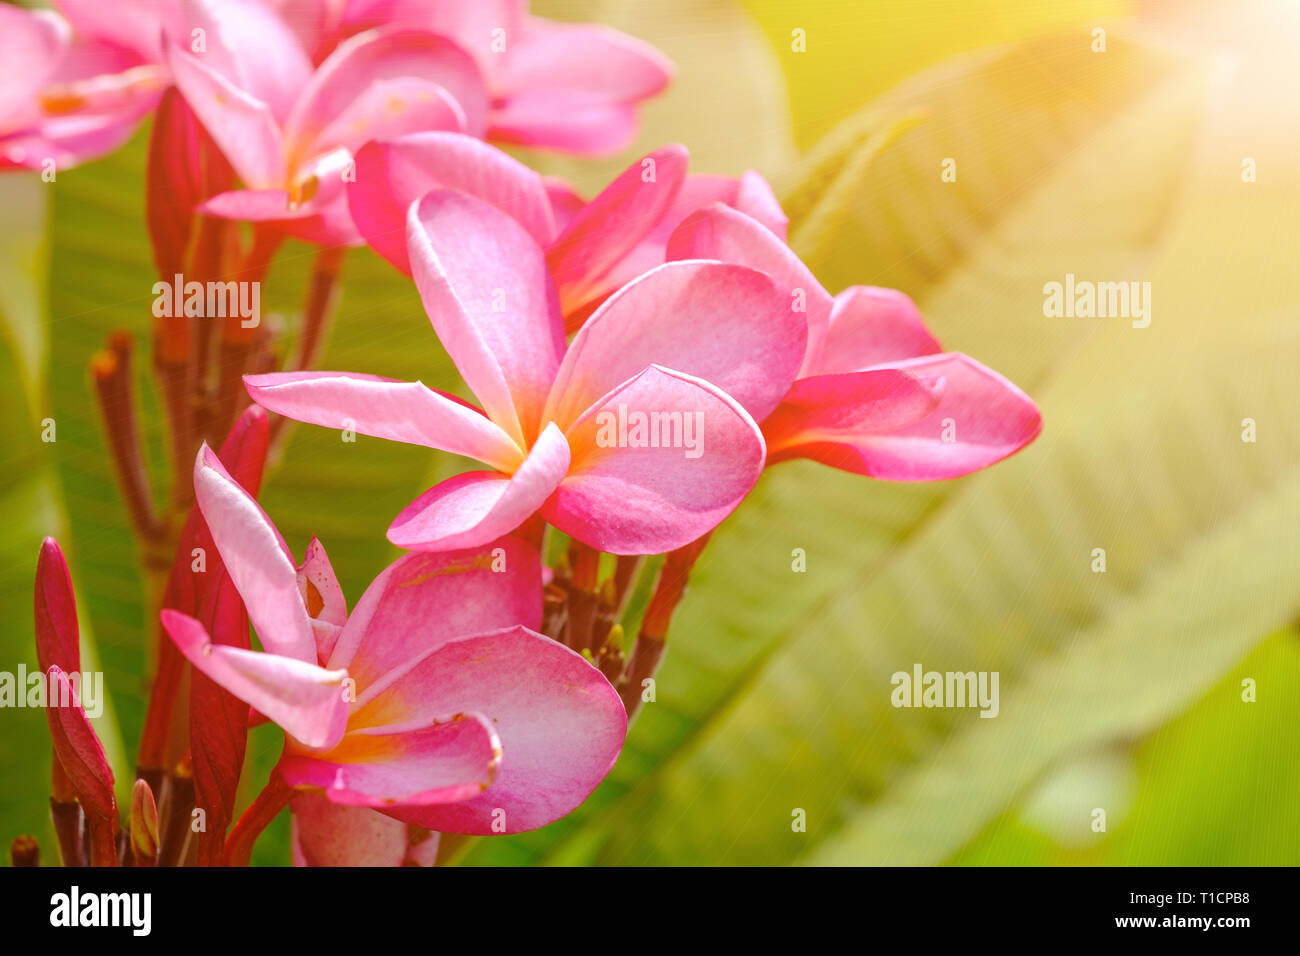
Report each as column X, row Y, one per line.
column 636, row 361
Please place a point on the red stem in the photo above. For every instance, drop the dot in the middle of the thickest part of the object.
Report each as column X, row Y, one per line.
column 274, row 798
column 648, row 652
column 318, row 309
column 112, row 374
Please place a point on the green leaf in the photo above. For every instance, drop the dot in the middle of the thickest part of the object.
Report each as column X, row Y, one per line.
column 852, row 52
column 1045, row 186
column 30, row 504
column 1244, row 746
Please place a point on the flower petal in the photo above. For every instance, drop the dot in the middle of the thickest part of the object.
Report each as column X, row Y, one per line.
column 477, row 507
column 77, row 747
column 625, row 497
column 256, row 558
column 329, row 834
column 247, row 43
column 57, row 641
column 485, row 287
column 390, row 175
column 454, row 759
column 473, row 25
column 560, row 723
column 132, row 24
column 566, row 202
column 245, row 450
column 377, row 55
column 389, row 108
column 32, row 45
column 398, row 411
column 722, row 233
column 423, row 600
column 573, row 86
column 323, row 597
column 241, row 125
column 873, row 326
column 66, row 142
column 307, row 701
column 755, row 198
column 980, row 419
column 750, row 194
column 599, row 237
column 727, row 324
column 848, row 407
column 255, row 205
column 585, row 57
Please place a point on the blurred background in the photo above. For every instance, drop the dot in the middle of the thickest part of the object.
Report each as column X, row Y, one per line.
column 1116, row 141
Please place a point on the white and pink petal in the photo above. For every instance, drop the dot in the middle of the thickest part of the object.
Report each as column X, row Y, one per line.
column 560, row 722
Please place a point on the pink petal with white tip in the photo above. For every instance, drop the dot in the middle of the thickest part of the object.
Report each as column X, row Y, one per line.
column 440, row 596
column 485, row 287
column 980, row 419
column 477, row 507
column 604, row 232
column 727, row 324
column 257, row 559
column 330, row 834
column 452, row 759
column 241, row 125
column 31, row 48
column 307, row 701
column 722, row 233
column 247, row 43
column 873, row 326
column 560, row 723
column 384, row 55
column 391, row 108
column 392, row 174
column 326, row 606
column 626, row 496
column 398, row 411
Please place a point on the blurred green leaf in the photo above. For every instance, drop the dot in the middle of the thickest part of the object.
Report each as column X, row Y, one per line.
column 1215, row 786
column 30, row 505
column 855, row 51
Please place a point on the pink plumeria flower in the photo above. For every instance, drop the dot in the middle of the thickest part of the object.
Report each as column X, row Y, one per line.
column 876, row 395
column 592, row 249
column 67, row 97
column 570, row 87
column 289, row 129
column 434, row 701
column 547, row 411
